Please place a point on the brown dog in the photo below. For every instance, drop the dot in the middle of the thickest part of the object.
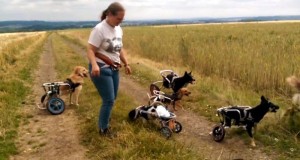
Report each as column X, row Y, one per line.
column 167, row 99
column 294, row 82
column 74, row 84
column 179, row 95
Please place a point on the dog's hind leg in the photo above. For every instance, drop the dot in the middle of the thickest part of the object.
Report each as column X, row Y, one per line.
column 70, row 98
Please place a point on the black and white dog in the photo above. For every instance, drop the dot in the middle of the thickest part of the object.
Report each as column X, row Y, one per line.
column 174, row 82
column 246, row 116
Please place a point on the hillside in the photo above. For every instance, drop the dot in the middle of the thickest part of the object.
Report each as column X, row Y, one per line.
column 22, row 26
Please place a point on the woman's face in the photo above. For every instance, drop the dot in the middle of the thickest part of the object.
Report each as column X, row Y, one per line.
column 115, row 20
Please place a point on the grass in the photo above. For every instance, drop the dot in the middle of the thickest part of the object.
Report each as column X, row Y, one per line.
column 234, row 64
column 15, row 87
column 135, row 140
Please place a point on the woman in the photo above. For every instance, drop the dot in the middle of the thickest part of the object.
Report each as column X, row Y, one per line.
column 105, row 54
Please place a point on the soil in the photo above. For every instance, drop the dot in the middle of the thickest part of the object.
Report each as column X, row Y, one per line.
column 38, row 134
column 38, row 138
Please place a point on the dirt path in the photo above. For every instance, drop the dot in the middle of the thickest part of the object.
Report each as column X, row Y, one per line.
column 42, row 135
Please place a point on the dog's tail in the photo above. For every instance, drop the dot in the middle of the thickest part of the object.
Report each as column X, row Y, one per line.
column 293, row 81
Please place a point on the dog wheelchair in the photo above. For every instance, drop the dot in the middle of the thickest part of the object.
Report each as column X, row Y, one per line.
column 158, row 111
column 167, row 82
column 160, row 96
column 226, row 115
column 50, row 100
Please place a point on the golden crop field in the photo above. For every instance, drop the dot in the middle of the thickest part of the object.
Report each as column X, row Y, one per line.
column 259, row 56
column 13, row 44
column 232, row 64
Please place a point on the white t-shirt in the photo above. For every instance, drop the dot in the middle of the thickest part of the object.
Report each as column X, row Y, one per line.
column 108, row 40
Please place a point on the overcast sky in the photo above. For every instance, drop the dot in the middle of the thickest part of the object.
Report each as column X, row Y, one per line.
column 74, row 10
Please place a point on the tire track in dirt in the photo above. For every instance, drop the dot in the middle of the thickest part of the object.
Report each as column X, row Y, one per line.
column 42, row 135
column 195, row 133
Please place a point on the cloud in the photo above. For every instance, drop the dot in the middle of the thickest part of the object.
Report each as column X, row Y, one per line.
column 144, row 9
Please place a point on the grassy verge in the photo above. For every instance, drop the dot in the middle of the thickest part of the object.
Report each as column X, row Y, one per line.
column 210, row 93
column 135, row 141
column 14, row 89
column 232, row 65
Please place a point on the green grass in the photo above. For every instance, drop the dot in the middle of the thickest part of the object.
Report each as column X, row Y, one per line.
column 135, row 140
column 15, row 87
column 234, row 64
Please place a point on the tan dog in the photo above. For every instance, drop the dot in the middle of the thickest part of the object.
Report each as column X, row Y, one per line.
column 179, row 95
column 294, row 82
column 74, row 82
column 167, row 99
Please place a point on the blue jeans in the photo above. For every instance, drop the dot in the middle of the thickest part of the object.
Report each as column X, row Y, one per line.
column 107, row 85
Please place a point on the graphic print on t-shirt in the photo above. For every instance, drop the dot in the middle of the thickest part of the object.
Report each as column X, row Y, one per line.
column 113, row 45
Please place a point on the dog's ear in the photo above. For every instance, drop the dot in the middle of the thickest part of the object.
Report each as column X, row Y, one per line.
column 263, row 99
column 76, row 69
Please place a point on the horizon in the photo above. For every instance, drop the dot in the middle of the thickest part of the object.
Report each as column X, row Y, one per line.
column 196, row 18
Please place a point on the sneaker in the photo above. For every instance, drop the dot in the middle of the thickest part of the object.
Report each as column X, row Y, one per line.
column 107, row 133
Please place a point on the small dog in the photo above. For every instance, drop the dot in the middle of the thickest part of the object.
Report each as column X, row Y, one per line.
column 294, row 82
column 75, row 81
column 167, row 99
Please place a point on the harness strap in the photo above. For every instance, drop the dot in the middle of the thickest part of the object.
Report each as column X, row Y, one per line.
column 73, row 86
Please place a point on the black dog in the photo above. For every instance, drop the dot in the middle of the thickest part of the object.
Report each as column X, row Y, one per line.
column 177, row 83
column 247, row 116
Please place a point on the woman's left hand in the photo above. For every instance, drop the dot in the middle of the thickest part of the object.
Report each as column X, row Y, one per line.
column 127, row 69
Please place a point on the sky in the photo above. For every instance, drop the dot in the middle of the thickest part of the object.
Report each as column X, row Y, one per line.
column 86, row 10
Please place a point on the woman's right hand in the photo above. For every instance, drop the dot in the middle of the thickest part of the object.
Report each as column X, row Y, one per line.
column 95, row 71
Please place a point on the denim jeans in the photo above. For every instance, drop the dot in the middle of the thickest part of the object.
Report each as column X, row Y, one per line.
column 107, row 85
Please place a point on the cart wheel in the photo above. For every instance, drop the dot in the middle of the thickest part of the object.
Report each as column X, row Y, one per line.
column 166, row 131
column 218, row 133
column 177, row 127
column 55, row 105
column 43, row 97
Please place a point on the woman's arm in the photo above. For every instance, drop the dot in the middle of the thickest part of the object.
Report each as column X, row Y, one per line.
column 124, row 60
column 104, row 58
column 91, row 52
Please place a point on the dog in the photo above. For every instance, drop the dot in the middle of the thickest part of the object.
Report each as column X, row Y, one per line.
column 147, row 112
column 177, row 83
column 74, row 81
column 168, row 99
column 174, row 82
column 294, row 82
column 247, row 116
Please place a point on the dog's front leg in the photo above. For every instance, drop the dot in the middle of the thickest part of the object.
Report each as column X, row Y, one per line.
column 76, row 94
column 249, row 131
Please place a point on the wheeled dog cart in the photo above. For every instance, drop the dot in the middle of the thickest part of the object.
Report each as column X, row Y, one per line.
column 167, row 81
column 158, row 111
column 50, row 100
column 223, row 113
